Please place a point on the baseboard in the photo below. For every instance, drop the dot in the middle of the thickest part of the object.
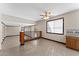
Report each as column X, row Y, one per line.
column 53, row 40
column 46, row 39
column 32, row 39
column 36, row 39
column 11, row 35
column 28, row 35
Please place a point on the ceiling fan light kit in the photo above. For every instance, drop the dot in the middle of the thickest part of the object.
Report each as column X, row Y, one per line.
column 46, row 15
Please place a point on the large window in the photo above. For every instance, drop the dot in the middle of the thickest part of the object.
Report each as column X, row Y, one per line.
column 55, row 26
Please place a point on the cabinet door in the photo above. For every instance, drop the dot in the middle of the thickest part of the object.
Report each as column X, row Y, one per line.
column 77, row 43
column 70, row 42
column 73, row 43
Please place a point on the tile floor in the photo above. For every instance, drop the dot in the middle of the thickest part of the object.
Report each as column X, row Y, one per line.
column 40, row 47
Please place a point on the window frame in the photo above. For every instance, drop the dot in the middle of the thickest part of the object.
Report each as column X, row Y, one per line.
column 55, row 20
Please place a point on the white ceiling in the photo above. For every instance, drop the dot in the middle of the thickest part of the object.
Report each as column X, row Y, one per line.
column 32, row 11
column 9, row 23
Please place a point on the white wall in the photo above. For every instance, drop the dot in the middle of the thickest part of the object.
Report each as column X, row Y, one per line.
column 30, row 28
column 71, row 21
column 0, row 32
column 12, row 31
column 4, row 30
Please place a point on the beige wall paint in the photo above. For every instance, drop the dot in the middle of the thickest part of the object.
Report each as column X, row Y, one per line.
column 71, row 21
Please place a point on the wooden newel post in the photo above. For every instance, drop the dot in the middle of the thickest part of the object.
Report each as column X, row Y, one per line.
column 22, row 38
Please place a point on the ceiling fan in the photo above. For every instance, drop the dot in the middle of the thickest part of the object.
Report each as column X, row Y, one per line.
column 46, row 15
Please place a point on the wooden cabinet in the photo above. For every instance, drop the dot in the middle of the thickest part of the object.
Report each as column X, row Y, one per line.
column 77, row 43
column 72, row 42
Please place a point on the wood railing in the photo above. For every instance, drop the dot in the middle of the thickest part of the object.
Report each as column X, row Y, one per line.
column 29, row 35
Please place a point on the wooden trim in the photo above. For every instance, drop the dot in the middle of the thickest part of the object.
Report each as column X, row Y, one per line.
column 27, row 35
column 73, row 49
column 32, row 39
column 9, row 36
column 12, row 35
column 54, row 20
column 54, row 40
column 43, row 38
